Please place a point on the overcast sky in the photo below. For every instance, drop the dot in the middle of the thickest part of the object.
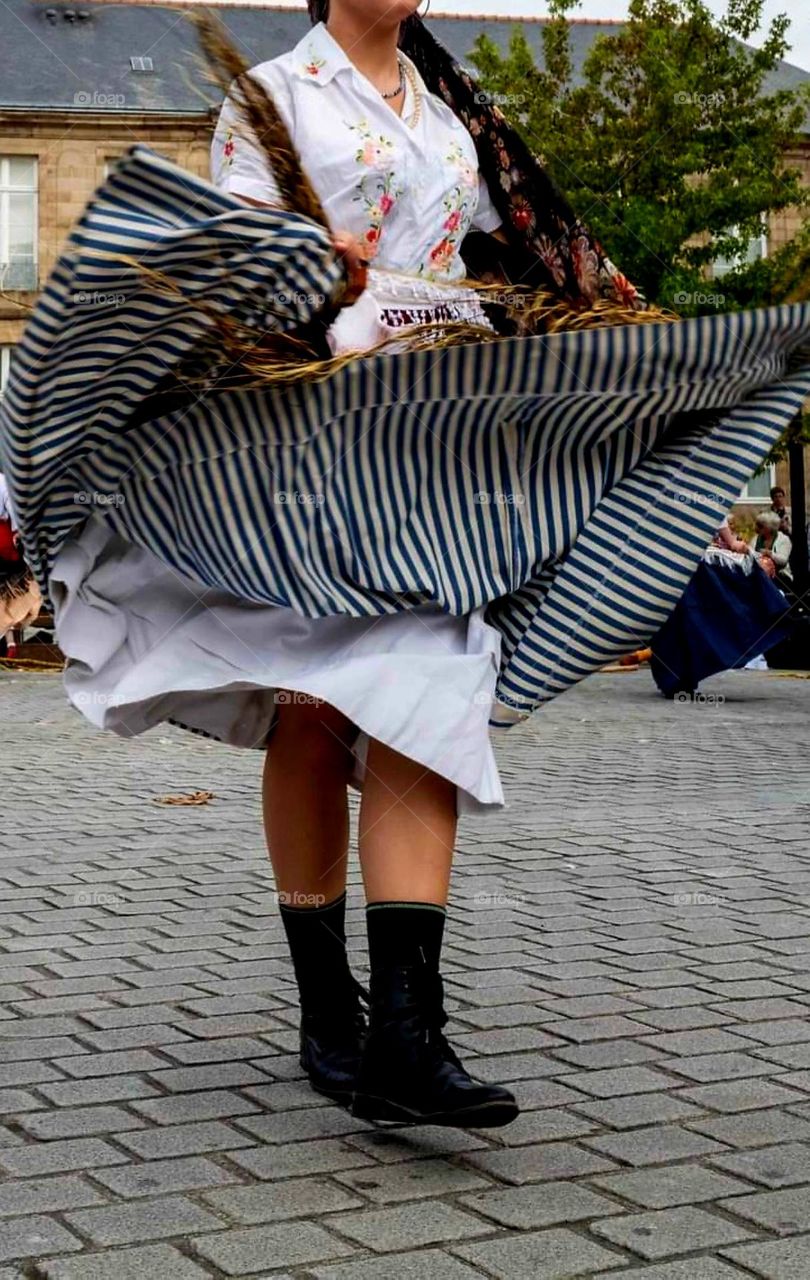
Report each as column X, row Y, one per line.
column 799, row 29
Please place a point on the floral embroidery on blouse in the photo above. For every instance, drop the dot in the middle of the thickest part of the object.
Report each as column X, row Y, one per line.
column 229, row 148
column 314, row 65
column 459, row 209
column 378, row 189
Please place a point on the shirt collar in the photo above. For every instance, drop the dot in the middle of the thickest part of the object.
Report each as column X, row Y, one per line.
column 318, row 58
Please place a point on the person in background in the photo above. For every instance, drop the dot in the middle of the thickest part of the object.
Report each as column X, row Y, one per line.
column 783, row 512
column 727, row 539
column 772, row 548
column 731, row 612
column 19, row 595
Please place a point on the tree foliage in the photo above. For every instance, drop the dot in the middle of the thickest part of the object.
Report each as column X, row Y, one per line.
column 669, row 145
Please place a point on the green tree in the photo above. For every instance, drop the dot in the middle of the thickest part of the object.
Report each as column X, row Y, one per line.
column 669, row 145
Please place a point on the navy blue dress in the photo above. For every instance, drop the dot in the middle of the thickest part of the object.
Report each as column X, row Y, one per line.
column 726, row 617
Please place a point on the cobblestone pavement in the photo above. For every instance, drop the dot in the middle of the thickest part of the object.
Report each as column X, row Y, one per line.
column 629, row 944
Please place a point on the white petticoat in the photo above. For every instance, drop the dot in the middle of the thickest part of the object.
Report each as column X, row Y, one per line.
column 145, row 645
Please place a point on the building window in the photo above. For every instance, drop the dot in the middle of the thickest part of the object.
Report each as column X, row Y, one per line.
column 5, row 359
column 756, row 249
column 758, row 489
column 18, row 222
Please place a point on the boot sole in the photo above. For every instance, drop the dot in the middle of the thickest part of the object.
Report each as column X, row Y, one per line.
column 492, row 1115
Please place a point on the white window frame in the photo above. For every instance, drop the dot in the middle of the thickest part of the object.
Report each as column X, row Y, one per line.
column 741, row 261
column 760, row 501
column 6, row 188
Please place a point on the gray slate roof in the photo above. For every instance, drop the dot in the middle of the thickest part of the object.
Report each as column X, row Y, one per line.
column 55, row 56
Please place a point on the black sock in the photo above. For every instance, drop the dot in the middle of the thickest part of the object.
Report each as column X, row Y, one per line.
column 317, row 940
column 404, row 933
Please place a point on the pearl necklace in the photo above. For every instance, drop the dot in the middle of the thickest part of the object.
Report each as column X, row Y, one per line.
column 416, row 94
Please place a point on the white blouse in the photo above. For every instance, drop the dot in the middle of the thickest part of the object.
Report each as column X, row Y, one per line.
column 407, row 186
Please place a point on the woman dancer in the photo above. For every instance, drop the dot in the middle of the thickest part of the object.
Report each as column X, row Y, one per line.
column 398, row 174
column 214, row 552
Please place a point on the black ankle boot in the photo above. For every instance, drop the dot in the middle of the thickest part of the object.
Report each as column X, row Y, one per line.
column 408, row 1072
column 332, row 1040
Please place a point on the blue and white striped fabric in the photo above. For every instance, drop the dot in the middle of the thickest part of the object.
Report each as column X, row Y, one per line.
column 568, row 482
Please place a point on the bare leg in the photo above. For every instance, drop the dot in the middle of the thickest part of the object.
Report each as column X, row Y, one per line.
column 408, row 1073
column 306, row 816
column 407, row 829
column 307, row 824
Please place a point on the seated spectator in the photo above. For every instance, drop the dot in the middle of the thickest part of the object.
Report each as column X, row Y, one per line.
column 783, row 512
column 771, row 547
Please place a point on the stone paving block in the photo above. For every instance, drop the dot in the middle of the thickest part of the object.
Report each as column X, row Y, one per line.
column 29, row 1196
column 778, row 1166
column 669, row 1232
column 218, row 1075
column 543, row 1255
column 30, row 1237
column 149, row 1220
column 637, row 1110
column 273, row 1201
column 621, row 1080
column 142, row 1037
column 774, row 1260
column 545, row 1162
column 741, row 1095
column 686, row 1018
column 655, row 1144
column 717, row 1066
column 702, row 1268
column 505, row 1040
column 582, row 1030
column 33, row 1028
column 422, row 1264
column 754, row 1128
column 286, row 1095
column 159, row 1177
column 540, row 1205
column 298, row 1126
column 690, row 1044
column 59, row 1157
column 667, row 1187
column 787, row 1055
column 195, row 1052
column 78, row 1122
column 213, row 1104
column 410, row 1180
column 300, row 1158
column 787, row 1031
column 246, row 1251
column 515, row 1066
column 152, row 1262
column 39, row 1048
column 103, row 1064
column 783, row 1212
column 424, row 1222
column 14, row 1100
column 547, row 1125
column 183, row 1140
column 96, row 1090
column 604, row 1054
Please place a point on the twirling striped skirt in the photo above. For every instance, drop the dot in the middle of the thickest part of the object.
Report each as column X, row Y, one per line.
column 431, row 539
